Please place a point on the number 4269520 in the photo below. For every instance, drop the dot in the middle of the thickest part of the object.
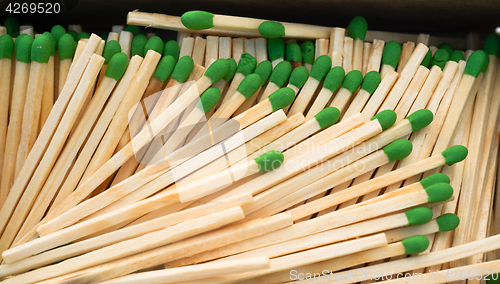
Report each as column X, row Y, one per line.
column 33, row 8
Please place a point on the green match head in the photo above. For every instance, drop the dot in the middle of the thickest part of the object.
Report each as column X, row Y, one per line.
column 492, row 278
column 440, row 58
column 12, row 26
column 419, row 215
column 22, row 48
column 197, row 20
column 271, row 29
column 111, row 48
column 475, row 63
column 398, row 150
column 154, row 43
column 352, row 81
column 321, row 66
column 40, row 50
column 281, row 98
column 439, row 192
column 371, row 81
column 426, row 62
column 270, row 160
column 391, row 53
column 386, row 118
column 66, row 46
column 247, row 64
column 232, row 69
column 135, row 30
column 276, row 48
column 334, row 78
column 307, row 49
column 455, row 154
column 249, row 85
column 217, row 70
column 164, row 68
column 492, row 44
column 486, row 64
column 281, row 73
column 327, row 117
column 104, row 36
column 433, row 179
column 357, row 28
column 52, row 43
column 446, row 46
column 264, row 70
column 415, row 244
column 57, row 32
column 457, row 55
column 183, row 69
column 82, row 35
column 299, row 77
column 6, row 46
column 209, row 99
column 73, row 34
column 138, row 44
column 293, row 52
column 420, row 119
column 117, row 66
column 447, row 222
column 171, row 48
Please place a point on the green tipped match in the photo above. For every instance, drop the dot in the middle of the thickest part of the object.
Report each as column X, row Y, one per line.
column 492, row 44
column 138, row 44
column 12, row 26
column 276, row 48
column 308, row 50
column 448, row 222
column 439, row 192
column 420, row 119
column 164, row 68
column 111, row 48
column 73, row 34
column 217, row 70
column 232, row 69
column 154, row 43
column 281, row 73
column 57, row 32
column 352, row 81
column 475, row 63
column 247, row 64
column 415, row 244
column 52, row 43
column 66, row 46
column 386, row 118
column 371, row 81
column 357, row 28
column 455, row 154
column 419, row 215
column 281, row 98
column 440, row 58
column 82, row 35
column 426, row 62
column 135, row 30
column 6, row 46
column 434, row 179
column 40, row 50
column 117, row 66
column 391, row 53
column 457, row 55
column 327, row 117
column 249, row 85
column 334, row 78
column 171, row 48
column 271, row 29
column 299, row 77
column 321, row 66
column 22, row 47
column 492, row 278
column 269, row 161
column 264, row 70
column 446, row 46
column 398, row 150
column 197, row 20
column 209, row 99
column 293, row 52
column 183, row 69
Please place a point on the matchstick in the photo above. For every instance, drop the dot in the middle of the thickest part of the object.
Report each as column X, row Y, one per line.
column 225, row 47
column 367, row 48
column 357, row 30
column 66, row 47
column 307, row 50
column 278, row 78
column 138, row 44
column 198, row 50
column 264, row 70
column 350, row 85
column 172, row 48
column 3, row 30
column 212, row 51
column 48, row 87
column 321, row 47
column 371, row 83
column 332, row 82
column 406, row 52
column 125, row 42
column 111, row 48
column 276, row 50
column 246, row 66
column 249, row 46
column 113, row 36
column 319, row 70
column 348, row 54
column 337, row 46
column 293, row 54
column 237, row 49
column 298, row 78
column 390, row 57
column 27, row 30
column 375, row 57
column 375, row 101
column 261, row 49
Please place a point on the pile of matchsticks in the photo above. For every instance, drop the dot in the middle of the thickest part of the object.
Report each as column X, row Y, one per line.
column 247, row 151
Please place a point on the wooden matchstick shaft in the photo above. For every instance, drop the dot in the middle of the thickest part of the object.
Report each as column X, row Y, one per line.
column 5, row 77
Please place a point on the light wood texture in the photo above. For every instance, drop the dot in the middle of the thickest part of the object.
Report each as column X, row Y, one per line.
column 348, row 54
column 375, row 56
column 5, row 77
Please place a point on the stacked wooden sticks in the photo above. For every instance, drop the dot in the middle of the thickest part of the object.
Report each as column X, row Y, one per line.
column 194, row 160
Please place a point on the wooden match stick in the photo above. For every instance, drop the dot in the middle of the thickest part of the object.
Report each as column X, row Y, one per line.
column 237, row 49
column 249, row 46
column 322, row 45
column 48, row 87
column 125, row 41
column 278, row 78
column 337, row 46
column 367, row 47
column 264, row 70
column 357, row 30
column 3, row 30
column 390, row 58
column 66, row 47
column 375, row 57
column 332, row 82
column 375, row 101
column 246, row 66
column 350, row 85
column 371, row 83
column 406, row 52
column 347, row 55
